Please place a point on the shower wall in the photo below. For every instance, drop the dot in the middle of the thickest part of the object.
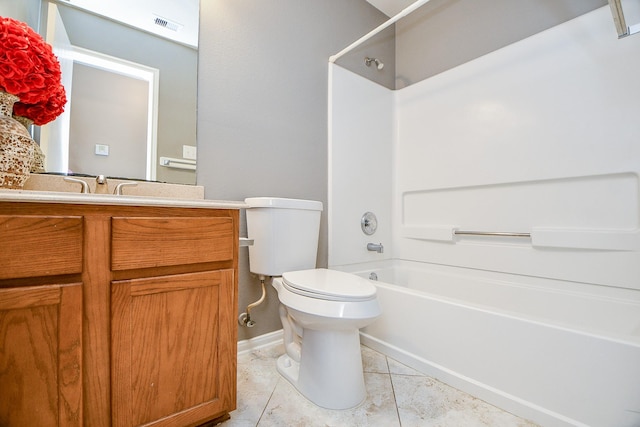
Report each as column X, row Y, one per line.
column 444, row 33
column 361, row 132
column 538, row 137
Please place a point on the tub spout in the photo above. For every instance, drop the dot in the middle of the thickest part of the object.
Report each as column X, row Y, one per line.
column 375, row 247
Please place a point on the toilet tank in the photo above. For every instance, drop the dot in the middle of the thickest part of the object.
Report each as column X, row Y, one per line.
column 284, row 232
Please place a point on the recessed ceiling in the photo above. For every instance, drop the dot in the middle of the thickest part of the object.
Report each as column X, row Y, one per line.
column 173, row 19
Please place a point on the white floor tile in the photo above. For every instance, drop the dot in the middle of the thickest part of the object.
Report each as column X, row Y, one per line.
column 396, row 396
column 426, row 402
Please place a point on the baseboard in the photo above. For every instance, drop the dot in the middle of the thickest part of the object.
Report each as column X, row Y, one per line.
column 262, row 341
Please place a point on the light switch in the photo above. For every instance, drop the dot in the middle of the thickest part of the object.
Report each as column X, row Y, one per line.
column 189, row 152
column 102, row 150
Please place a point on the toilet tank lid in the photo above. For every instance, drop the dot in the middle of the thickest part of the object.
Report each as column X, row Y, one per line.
column 283, row 203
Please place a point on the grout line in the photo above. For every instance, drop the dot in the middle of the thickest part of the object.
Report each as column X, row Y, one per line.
column 266, row 405
column 393, row 391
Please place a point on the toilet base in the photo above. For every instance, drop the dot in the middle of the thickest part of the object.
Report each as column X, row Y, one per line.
column 329, row 373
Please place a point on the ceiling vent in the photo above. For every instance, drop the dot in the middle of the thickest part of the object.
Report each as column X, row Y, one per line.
column 167, row 23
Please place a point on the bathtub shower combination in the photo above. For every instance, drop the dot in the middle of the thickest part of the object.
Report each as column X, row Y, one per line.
column 507, row 197
column 556, row 355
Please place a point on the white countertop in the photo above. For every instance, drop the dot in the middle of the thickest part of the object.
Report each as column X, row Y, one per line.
column 7, row 195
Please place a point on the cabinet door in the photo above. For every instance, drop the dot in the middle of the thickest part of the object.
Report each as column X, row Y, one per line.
column 173, row 349
column 41, row 356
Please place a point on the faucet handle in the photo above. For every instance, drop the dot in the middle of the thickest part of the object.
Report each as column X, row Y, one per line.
column 118, row 190
column 85, row 186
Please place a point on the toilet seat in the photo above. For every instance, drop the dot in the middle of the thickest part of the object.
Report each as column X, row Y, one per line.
column 330, row 285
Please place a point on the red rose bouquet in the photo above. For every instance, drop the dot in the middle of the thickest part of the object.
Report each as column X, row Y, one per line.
column 30, row 70
column 45, row 111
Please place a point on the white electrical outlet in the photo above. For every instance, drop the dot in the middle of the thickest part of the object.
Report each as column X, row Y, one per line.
column 102, row 150
column 189, row 152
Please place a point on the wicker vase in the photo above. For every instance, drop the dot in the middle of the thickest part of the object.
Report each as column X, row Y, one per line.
column 16, row 146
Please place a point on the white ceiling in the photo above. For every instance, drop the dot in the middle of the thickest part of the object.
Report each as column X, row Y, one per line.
column 143, row 13
column 391, row 7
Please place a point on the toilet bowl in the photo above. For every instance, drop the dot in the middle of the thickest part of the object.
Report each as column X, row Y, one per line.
column 321, row 312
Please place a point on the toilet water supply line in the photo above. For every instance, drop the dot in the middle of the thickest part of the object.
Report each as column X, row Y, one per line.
column 404, row 12
column 245, row 318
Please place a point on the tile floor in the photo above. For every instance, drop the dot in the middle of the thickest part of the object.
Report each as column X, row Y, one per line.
column 397, row 396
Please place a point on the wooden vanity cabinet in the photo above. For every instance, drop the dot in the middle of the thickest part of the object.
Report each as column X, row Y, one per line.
column 40, row 320
column 41, row 355
column 148, row 309
column 172, row 334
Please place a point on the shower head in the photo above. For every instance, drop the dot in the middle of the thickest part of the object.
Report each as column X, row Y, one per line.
column 379, row 64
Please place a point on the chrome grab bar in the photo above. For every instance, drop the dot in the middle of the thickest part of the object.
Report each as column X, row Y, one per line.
column 491, row 233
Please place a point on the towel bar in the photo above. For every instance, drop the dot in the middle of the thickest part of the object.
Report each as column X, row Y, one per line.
column 491, row 233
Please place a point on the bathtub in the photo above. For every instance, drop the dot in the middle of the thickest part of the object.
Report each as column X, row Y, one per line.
column 558, row 353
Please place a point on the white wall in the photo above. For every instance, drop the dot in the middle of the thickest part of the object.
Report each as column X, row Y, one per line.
column 360, row 163
column 540, row 137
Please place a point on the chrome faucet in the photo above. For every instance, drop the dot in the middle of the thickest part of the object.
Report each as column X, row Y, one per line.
column 101, row 185
column 375, row 247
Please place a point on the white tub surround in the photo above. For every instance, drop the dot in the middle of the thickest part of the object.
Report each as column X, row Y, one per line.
column 537, row 139
column 360, row 168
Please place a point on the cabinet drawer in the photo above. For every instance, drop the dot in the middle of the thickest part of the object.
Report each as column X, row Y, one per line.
column 162, row 242
column 40, row 246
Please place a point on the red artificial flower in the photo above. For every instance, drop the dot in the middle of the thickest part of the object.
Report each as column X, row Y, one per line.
column 30, row 70
column 43, row 112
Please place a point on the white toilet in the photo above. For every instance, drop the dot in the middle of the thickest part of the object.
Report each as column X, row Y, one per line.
column 321, row 310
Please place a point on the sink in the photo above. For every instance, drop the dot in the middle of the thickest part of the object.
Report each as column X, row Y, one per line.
column 125, row 187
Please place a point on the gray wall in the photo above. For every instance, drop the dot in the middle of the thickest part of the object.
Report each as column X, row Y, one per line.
column 122, row 124
column 262, row 106
column 445, row 33
column 23, row 10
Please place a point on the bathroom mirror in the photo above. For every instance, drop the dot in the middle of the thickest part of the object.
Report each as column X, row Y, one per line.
column 157, row 137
